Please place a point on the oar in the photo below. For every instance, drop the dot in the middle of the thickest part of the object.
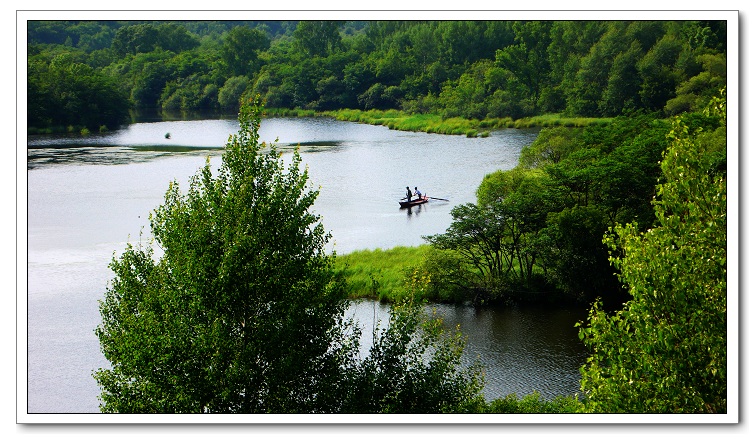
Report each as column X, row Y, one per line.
column 438, row 198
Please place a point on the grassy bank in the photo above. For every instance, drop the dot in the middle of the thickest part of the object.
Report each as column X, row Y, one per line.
column 380, row 274
column 433, row 123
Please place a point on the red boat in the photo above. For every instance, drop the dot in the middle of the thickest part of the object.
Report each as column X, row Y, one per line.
column 411, row 203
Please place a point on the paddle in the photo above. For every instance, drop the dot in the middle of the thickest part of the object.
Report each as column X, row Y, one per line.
column 438, row 198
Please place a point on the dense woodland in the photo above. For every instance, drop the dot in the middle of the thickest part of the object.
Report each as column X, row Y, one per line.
column 92, row 73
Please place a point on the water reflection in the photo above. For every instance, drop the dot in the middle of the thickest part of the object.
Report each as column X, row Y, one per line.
column 522, row 350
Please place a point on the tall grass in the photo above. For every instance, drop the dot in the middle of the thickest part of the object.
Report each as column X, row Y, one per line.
column 286, row 112
column 380, row 274
column 434, row 123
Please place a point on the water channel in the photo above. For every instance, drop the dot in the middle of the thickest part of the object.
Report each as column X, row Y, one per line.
column 88, row 196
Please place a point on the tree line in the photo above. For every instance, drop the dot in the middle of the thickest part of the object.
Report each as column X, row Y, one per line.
column 79, row 71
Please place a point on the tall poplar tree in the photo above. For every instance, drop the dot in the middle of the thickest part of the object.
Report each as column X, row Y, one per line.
column 239, row 309
column 665, row 351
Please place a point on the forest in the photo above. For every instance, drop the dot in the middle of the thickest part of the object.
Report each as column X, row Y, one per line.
column 96, row 75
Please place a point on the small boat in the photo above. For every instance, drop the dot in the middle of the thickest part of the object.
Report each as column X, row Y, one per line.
column 411, row 203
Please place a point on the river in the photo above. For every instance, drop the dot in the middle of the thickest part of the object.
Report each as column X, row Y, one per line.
column 88, row 196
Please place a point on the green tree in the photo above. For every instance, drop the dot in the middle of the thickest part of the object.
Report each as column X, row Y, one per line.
column 64, row 92
column 318, row 38
column 229, row 96
column 665, row 350
column 493, row 245
column 413, row 383
column 218, row 323
column 656, row 68
column 146, row 37
column 239, row 310
column 551, row 146
column 241, row 48
column 695, row 92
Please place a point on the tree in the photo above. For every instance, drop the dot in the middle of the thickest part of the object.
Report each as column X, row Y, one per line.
column 146, row 37
column 229, row 96
column 318, row 38
column 64, row 92
column 495, row 242
column 665, row 350
column 240, row 50
column 656, row 68
column 242, row 312
column 415, row 382
column 550, row 146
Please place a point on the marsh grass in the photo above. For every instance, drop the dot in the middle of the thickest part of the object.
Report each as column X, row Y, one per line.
column 434, row 123
column 296, row 112
column 380, row 274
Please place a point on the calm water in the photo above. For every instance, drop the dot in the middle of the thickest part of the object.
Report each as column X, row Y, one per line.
column 88, row 197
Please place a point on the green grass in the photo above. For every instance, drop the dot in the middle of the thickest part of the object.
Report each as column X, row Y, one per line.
column 285, row 112
column 380, row 274
column 434, row 123
column 534, row 403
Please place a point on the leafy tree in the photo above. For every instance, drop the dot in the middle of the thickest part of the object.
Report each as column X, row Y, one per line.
column 551, row 146
column 527, row 59
column 656, row 68
column 144, row 76
column 176, row 38
column 494, row 244
column 413, row 383
column 591, row 79
column 318, row 38
column 575, row 257
column 64, row 92
column 241, row 48
column 187, row 93
column 146, row 37
column 466, row 96
column 229, row 96
column 623, row 83
column 220, row 321
column 694, row 93
column 665, row 350
column 242, row 311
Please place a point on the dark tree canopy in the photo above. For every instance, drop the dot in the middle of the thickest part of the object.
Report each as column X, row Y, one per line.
column 472, row 69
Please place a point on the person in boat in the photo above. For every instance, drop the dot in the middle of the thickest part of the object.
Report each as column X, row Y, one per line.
column 417, row 193
column 408, row 194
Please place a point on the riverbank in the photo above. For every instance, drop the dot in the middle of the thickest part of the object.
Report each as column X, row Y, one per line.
column 399, row 120
column 434, row 123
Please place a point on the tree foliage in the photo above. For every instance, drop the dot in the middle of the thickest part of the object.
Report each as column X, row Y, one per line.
column 64, row 92
column 241, row 48
column 495, row 243
column 239, row 310
column 472, row 69
column 535, row 233
column 665, row 350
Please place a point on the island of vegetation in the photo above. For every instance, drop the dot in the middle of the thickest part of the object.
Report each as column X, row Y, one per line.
column 618, row 205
